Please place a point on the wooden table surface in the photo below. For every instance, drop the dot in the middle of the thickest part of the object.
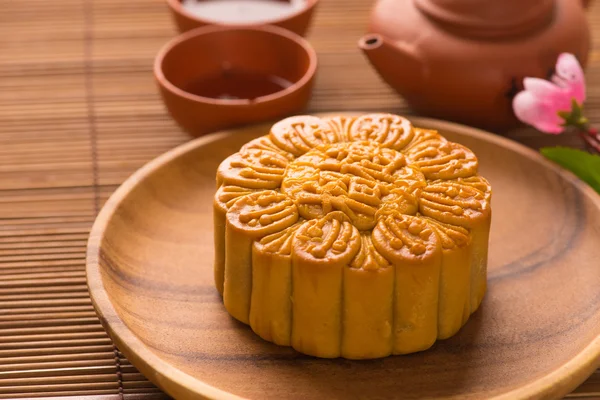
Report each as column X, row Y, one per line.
column 79, row 112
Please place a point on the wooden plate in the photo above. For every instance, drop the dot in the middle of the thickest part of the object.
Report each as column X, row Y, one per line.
column 537, row 334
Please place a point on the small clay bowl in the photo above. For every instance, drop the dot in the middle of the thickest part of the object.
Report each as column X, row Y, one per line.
column 297, row 22
column 212, row 53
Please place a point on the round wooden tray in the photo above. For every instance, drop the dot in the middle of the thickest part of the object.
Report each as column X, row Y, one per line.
column 536, row 335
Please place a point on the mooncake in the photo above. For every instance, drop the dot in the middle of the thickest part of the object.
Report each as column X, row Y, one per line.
column 352, row 236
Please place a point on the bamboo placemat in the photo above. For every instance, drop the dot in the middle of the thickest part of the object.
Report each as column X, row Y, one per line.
column 79, row 112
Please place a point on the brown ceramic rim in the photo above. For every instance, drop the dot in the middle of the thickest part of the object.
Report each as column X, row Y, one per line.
column 531, row 23
column 558, row 382
column 178, row 8
column 273, row 30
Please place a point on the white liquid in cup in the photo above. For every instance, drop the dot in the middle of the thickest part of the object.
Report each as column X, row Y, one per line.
column 242, row 11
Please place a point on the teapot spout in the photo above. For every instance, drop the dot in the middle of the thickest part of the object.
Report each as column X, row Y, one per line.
column 399, row 64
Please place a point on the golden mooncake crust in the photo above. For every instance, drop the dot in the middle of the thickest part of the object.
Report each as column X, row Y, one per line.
column 352, row 236
column 391, row 131
column 340, row 125
column 265, row 143
column 331, row 239
column 368, row 258
column 262, row 213
column 405, row 239
column 439, row 159
column 454, row 202
column 422, row 135
column 297, row 135
column 357, row 178
column 253, row 169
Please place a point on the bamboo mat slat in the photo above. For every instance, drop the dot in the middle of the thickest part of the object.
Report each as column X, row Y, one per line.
column 79, row 112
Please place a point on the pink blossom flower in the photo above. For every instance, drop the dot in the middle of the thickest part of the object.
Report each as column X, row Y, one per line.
column 541, row 101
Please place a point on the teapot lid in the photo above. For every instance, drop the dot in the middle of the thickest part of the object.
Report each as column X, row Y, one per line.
column 489, row 19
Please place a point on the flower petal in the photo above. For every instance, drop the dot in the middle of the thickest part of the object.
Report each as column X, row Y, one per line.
column 542, row 88
column 571, row 76
column 531, row 110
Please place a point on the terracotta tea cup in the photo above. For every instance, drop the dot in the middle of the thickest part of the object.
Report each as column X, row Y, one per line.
column 218, row 77
column 297, row 21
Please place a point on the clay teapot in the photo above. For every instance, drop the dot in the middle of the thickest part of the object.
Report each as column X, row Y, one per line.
column 464, row 60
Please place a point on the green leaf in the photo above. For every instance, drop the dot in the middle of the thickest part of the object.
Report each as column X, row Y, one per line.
column 583, row 164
